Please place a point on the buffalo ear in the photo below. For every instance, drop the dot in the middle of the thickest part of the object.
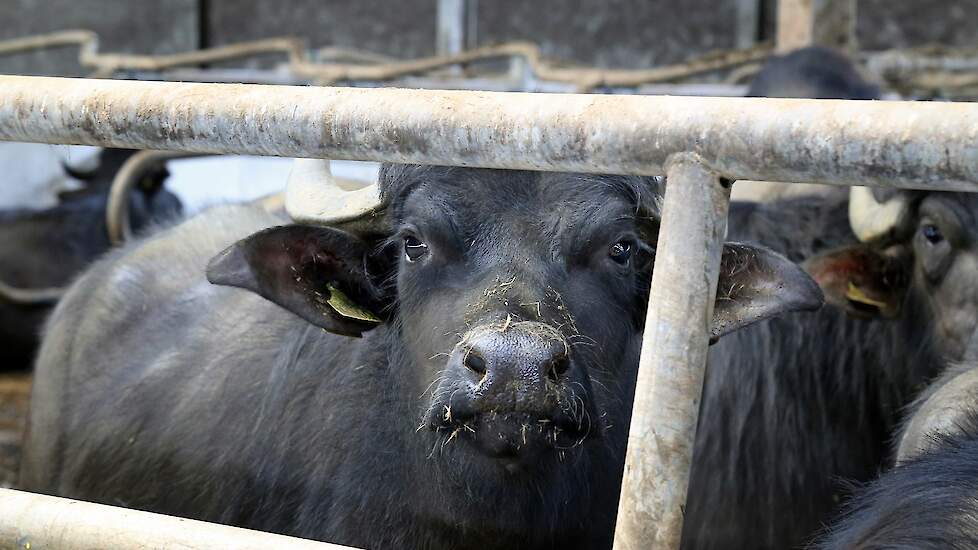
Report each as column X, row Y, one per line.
column 756, row 283
column 318, row 273
column 861, row 280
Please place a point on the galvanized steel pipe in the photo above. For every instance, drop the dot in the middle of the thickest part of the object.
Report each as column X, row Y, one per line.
column 673, row 359
column 891, row 144
column 32, row 521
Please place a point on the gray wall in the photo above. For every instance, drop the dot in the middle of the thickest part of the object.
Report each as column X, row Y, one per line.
column 618, row 33
column 403, row 28
column 135, row 26
column 882, row 24
column 612, row 33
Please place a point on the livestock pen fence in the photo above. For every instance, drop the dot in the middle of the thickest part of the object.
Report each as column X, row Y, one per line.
column 699, row 143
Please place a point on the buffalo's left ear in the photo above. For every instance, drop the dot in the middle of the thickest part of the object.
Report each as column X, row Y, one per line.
column 318, row 273
column 863, row 280
column 756, row 283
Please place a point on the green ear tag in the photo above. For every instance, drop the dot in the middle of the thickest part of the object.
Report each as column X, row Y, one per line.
column 342, row 304
column 857, row 294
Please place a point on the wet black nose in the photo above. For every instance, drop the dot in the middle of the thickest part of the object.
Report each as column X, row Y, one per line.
column 514, row 364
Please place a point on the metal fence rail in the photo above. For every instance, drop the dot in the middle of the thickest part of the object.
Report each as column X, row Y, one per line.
column 893, row 144
column 29, row 521
column 696, row 141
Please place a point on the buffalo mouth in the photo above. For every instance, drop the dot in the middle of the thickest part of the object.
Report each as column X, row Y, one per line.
column 516, row 440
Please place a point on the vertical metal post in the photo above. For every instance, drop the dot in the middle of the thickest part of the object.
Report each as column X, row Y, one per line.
column 673, row 359
column 456, row 26
column 748, row 19
column 829, row 23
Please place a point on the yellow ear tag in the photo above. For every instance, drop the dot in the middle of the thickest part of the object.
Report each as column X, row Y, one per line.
column 342, row 304
column 857, row 295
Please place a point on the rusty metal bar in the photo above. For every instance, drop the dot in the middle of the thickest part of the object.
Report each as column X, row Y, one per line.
column 302, row 67
column 29, row 520
column 889, row 144
column 105, row 64
column 673, row 359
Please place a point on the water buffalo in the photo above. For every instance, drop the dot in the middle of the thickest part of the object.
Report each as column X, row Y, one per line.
column 930, row 500
column 924, row 242
column 928, row 503
column 814, row 73
column 477, row 398
column 41, row 251
column 795, row 406
column 821, row 397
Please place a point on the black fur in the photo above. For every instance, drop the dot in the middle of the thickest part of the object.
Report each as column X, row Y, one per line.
column 929, row 502
column 814, row 73
column 285, row 428
column 795, row 406
column 235, row 410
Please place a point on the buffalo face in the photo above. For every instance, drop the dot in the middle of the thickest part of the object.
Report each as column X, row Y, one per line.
column 919, row 247
column 512, row 305
column 521, row 296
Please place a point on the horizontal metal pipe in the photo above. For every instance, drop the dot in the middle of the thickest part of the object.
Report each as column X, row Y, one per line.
column 29, row 520
column 890, row 144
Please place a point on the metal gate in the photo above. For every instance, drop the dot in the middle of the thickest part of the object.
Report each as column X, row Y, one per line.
column 699, row 143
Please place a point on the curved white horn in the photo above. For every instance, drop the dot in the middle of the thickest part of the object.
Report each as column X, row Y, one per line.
column 871, row 219
column 314, row 196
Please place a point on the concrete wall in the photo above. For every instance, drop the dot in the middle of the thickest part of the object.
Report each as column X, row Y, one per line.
column 133, row 26
column 404, row 28
column 619, row 33
column 882, row 24
column 612, row 33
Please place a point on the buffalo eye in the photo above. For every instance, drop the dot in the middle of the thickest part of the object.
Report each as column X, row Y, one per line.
column 414, row 249
column 932, row 233
column 934, row 250
column 620, row 252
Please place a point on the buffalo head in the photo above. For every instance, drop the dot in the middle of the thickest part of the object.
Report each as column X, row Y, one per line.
column 512, row 303
column 920, row 246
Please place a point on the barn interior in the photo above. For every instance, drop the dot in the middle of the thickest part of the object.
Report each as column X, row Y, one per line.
column 909, row 50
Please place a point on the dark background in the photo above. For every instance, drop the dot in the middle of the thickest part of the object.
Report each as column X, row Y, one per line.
column 609, row 33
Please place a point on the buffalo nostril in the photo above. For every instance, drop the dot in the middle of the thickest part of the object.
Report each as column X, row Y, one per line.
column 475, row 363
column 557, row 368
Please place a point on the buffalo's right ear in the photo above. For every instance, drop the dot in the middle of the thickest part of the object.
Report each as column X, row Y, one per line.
column 756, row 283
column 862, row 280
column 318, row 273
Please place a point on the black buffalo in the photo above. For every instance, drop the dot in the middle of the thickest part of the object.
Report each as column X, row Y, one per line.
column 42, row 251
column 813, row 73
column 930, row 248
column 795, row 406
column 485, row 404
column 930, row 500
